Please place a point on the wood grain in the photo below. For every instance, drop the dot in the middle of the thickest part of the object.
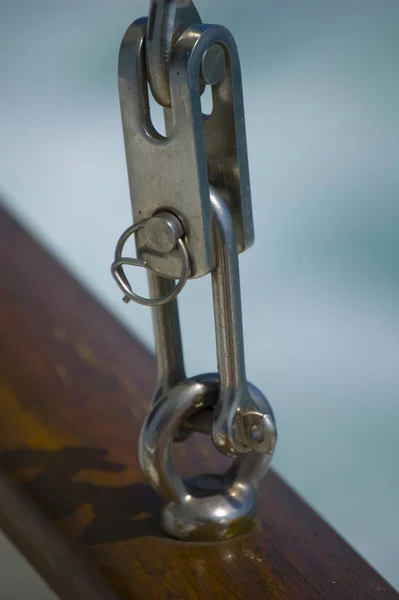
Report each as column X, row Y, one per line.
column 74, row 390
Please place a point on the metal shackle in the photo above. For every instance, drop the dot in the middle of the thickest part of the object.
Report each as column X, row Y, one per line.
column 238, row 425
column 206, row 507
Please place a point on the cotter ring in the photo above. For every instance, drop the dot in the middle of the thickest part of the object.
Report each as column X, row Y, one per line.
column 121, row 279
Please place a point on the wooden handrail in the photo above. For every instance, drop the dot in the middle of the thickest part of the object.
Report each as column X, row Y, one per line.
column 74, row 390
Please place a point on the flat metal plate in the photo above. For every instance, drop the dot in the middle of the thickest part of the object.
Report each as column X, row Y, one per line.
column 174, row 173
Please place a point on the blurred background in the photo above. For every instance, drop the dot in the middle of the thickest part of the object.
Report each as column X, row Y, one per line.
column 321, row 285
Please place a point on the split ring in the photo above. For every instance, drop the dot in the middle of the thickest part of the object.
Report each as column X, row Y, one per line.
column 122, row 281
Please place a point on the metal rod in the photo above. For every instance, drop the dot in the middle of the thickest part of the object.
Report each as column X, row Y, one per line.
column 167, row 336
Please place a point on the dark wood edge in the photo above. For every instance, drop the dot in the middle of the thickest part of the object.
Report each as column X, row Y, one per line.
column 74, row 389
column 62, row 563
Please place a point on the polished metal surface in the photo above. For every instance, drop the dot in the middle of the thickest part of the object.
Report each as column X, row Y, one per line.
column 173, row 173
column 176, row 232
column 233, row 431
column 238, row 425
column 167, row 337
column 168, row 343
column 206, row 507
column 165, row 20
column 191, row 203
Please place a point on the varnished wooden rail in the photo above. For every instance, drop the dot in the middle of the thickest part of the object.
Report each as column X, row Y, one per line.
column 74, row 389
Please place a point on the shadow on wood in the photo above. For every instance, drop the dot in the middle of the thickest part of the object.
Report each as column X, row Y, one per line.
column 55, row 489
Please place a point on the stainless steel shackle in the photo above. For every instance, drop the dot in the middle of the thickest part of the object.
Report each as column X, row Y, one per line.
column 206, row 507
column 239, row 426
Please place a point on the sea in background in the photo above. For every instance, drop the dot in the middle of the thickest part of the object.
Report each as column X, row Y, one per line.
column 320, row 287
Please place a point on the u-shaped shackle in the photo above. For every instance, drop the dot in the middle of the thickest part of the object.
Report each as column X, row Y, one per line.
column 238, row 425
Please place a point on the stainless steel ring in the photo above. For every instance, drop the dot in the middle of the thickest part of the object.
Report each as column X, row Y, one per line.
column 122, row 281
column 206, row 507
